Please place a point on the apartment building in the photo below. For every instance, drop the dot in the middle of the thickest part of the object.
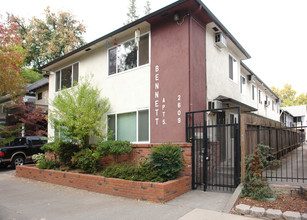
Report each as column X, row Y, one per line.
column 178, row 59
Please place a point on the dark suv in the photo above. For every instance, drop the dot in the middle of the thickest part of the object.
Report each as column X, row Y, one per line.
column 21, row 150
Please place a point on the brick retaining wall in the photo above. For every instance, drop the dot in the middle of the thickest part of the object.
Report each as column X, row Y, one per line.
column 147, row 191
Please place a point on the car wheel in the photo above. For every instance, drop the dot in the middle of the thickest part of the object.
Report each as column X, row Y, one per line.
column 17, row 161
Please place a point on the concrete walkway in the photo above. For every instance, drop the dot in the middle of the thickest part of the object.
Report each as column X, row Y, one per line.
column 24, row 199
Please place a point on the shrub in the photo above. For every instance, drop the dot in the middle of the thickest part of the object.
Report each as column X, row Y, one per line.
column 45, row 163
column 256, row 186
column 64, row 150
column 87, row 160
column 114, row 148
column 168, row 160
column 144, row 172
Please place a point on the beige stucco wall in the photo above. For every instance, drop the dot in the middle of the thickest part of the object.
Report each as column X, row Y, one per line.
column 127, row 91
column 219, row 83
column 45, row 96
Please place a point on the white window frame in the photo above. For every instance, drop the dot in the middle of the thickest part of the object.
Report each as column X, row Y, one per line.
column 137, row 124
column 72, row 78
column 254, row 91
column 235, row 69
column 260, row 100
column 243, row 85
column 138, row 66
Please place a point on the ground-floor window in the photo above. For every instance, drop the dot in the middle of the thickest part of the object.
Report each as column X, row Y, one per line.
column 130, row 126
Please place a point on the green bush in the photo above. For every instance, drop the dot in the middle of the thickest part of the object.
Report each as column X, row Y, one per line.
column 87, row 160
column 168, row 160
column 63, row 150
column 114, row 148
column 256, row 186
column 45, row 163
column 144, row 172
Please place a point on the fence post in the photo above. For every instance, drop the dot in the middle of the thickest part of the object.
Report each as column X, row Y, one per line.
column 243, row 144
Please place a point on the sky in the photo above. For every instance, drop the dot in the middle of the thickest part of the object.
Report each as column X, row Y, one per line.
column 273, row 32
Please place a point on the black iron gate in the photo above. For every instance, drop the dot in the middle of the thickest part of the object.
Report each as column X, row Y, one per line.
column 216, row 152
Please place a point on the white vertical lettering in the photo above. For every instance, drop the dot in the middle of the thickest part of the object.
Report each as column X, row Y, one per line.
column 157, row 112
column 163, row 100
column 157, row 76
column 163, row 121
column 156, row 94
column 163, row 106
column 157, row 121
column 163, row 114
column 157, row 103
column 156, row 85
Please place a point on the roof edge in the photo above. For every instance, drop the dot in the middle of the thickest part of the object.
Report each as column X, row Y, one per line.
column 251, row 72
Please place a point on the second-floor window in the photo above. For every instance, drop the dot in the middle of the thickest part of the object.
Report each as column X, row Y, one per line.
column 260, row 96
column 65, row 78
column 242, row 85
column 128, row 56
column 254, row 92
column 233, row 68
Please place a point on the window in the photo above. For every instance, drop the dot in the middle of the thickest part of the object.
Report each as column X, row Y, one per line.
column 273, row 105
column 260, row 98
column 132, row 126
column 127, row 56
column 233, row 68
column 39, row 96
column 242, row 85
column 65, row 77
column 254, row 92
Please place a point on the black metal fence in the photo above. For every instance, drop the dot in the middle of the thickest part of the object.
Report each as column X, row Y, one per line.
column 288, row 145
column 215, row 138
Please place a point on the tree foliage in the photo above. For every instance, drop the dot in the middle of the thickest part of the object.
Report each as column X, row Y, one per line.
column 48, row 39
column 79, row 113
column 31, row 75
column 147, row 8
column 132, row 12
column 11, row 59
column 288, row 96
column 33, row 118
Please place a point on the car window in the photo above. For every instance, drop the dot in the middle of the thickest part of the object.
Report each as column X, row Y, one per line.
column 19, row 141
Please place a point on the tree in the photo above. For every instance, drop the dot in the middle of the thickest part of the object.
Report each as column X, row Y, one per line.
column 79, row 113
column 46, row 40
column 11, row 59
column 301, row 99
column 287, row 94
column 31, row 75
column 132, row 12
column 147, row 8
column 33, row 118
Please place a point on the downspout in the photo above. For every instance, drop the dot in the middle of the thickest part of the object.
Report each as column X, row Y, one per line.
column 189, row 46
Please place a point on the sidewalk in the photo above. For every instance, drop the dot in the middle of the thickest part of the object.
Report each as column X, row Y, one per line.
column 24, row 199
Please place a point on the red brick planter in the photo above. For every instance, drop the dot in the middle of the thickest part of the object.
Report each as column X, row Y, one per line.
column 147, row 191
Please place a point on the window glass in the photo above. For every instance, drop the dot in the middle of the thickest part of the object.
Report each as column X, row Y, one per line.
column 230, row 68
column 66, row 77
column 126, row 56
column 76, row 72
column 144, row 50
column 126, row 126
column 57, row 79
column 39, row 96
column 143, row 126
column 111, row 127
column 112, row 61
column 260, row 99
column 254, row 92
column 242, row 85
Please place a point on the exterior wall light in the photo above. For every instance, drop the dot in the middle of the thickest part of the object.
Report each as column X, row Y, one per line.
column 176, row 16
